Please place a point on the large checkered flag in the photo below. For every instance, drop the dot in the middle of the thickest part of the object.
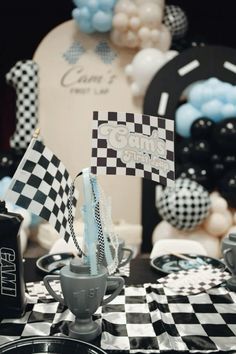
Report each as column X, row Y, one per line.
column 42, row 185
column 133, row 144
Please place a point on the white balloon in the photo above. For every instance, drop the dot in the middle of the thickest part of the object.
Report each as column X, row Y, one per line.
column 144, row 33
column 120, row 21
column 121, row 5
column 164, row 42
column 165, row 231
column 216, row 224
column 131, row 39
column 144, row 66
column 117, row 37
column 150, row 14
column 134, row 23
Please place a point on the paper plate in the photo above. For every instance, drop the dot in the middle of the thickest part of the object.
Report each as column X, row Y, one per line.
column 52, row 263
column 171, row 263
column 52, row 345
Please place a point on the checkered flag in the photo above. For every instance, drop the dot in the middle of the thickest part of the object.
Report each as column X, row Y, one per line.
column 133, row 144
column 42, row 185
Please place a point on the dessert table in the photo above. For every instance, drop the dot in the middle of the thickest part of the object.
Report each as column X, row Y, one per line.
column 142, row 319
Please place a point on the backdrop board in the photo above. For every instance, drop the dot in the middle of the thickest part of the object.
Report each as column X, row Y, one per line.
column 79, row 74
column 162, row 98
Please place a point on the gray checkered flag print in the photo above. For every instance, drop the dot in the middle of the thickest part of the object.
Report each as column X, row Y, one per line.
column 133, row 144
column 23, row 76
column 42, row 185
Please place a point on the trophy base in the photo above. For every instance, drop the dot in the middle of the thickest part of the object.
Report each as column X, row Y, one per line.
column 84, row 329
column 231, row 283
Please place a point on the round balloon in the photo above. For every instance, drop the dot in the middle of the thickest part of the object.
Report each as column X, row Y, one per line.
column 185, row 206
column 202, row 128
column 201, row 150
column 198, row 173
column 176, row 20
column 224, row 135
column 227, row 187
column 217, row 167
column 184, row 150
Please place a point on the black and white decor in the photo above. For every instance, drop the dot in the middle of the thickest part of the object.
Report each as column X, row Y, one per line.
column 24, row 77
column 42, row 184
column 133, row 144
column 144, row 319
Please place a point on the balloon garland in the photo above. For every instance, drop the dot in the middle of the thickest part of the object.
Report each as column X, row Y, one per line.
column 132, row 23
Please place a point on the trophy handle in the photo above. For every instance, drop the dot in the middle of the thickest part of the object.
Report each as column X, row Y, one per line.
column 120, row 282
column 125, row 261
column 46, row 281
column 227, row 260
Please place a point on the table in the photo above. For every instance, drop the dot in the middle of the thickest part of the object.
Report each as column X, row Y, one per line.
column 140, row 272
column 140, row 269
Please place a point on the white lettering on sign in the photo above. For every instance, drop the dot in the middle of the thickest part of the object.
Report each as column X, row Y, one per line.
column 135, row 147
column 8, row 272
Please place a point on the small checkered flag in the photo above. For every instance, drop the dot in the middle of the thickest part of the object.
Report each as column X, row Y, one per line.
column 133, row 144
column 42, row 185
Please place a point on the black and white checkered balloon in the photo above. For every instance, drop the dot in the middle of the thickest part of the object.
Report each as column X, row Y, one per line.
column 176, row 21
column 23, row 76
column 184, row 206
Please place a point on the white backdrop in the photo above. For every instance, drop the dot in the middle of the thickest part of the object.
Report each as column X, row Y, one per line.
column 80, row 74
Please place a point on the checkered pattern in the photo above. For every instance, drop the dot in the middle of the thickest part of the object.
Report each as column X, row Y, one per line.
column 185, row 206
column 37, row 291
column 133, row 160
column 74, row 52
column 24, row 78
column 105, row 52
column 41, row 184
column 144, row 319
column 194, row 281
column 176, row 21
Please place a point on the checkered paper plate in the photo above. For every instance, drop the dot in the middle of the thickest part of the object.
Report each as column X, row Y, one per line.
column 144, row 319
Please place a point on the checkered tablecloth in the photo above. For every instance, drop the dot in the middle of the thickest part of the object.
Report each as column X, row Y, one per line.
column 144, row 319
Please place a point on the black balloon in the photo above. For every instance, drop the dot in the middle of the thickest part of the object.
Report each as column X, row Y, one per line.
column 6, row 165
column 201, row 150
column 184, row 151
column 224, row 135
column 217, row 166
column 199, row 174
column 202, row 128
column 227, row 187
column 17, row 155
column 230, row 161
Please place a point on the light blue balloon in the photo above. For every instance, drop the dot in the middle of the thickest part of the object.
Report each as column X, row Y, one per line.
column 231, row 95
column 84, row 14
column 212, row 109
column 228, row 110
column 93, row 5
column 221, row 91
column 86, row 26
column 80, row 3
column 207, row 93
column 212, row 82
column 76, row 15
column 184, row 117
column 102, row 21
column 195, row 95
column 4, row 184
column 106, row 5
